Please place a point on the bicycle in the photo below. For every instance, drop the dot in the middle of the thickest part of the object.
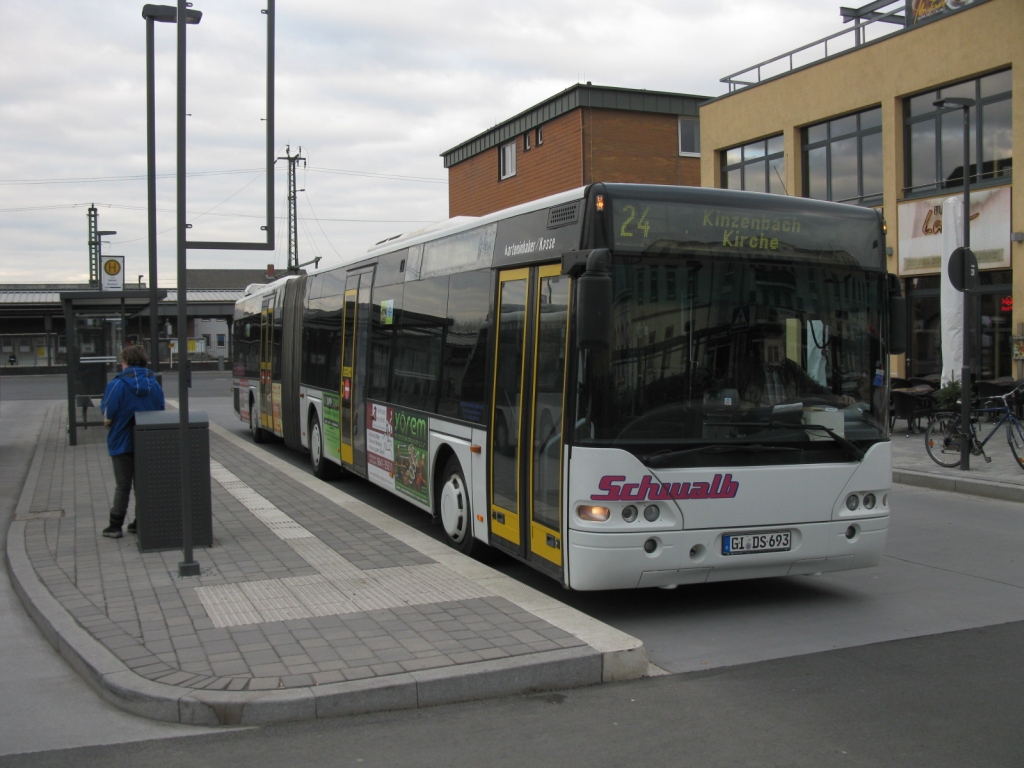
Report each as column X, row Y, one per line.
column 943, row 435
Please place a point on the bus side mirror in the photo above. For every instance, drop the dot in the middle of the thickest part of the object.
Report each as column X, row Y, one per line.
column 594, row 303
column 897, row 318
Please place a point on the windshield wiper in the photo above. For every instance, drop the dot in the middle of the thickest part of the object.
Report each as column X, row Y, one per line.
column 849, row 447
column 660, row 459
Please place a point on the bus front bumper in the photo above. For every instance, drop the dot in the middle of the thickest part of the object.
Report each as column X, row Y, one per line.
column 620, row 560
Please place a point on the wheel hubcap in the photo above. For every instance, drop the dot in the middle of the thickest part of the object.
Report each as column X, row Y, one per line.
column 315, row 440
column 454, row 509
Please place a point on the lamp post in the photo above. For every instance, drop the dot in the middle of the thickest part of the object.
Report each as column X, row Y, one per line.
column 965, row 369
column 181, row 16
column 167, row 14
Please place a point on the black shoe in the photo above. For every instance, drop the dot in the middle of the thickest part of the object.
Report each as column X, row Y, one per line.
column 113, row 532
column 131, row 526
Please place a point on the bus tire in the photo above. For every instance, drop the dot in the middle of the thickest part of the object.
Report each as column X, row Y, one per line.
column 454, row 509
column 258, row 435
column 322, row 468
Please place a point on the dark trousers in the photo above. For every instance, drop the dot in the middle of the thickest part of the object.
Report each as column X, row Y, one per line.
column 124, row 475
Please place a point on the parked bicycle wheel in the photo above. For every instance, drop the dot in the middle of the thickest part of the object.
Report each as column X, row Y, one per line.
column 942, row 439
column 1015, row 437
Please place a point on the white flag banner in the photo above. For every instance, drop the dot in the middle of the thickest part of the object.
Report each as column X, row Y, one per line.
column 951, row 301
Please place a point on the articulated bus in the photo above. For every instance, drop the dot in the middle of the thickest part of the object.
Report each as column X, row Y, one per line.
column 622, row 385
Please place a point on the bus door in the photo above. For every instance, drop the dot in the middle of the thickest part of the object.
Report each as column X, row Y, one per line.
column 266, row 391
column 348, row 377
column 529, row 394
column 354, row 340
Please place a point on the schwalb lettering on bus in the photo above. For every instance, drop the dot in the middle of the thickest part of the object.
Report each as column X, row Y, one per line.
column 616, row 488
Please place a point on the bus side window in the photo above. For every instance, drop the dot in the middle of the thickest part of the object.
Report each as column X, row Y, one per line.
column 385, row 314
column 416, row 369
column 465, row 350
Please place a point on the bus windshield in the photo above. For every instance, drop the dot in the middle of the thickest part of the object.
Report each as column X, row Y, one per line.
column 734, row 352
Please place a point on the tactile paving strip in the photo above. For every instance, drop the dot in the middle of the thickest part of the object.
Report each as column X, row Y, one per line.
column 340, row 586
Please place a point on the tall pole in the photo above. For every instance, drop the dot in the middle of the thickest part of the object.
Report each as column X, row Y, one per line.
column 293, row 219
column 154, row 315
column 965, row 277
column 94, row 246
column 965, row 370
column 188, row 566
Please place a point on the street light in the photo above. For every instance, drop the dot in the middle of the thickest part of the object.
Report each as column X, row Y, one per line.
column 965, row 369
column 167, row 14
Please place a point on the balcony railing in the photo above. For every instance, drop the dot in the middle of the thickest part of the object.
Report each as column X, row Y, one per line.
column 870, row 22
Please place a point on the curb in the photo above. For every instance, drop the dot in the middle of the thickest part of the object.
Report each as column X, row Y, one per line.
column 951, row 483
column 117, row 684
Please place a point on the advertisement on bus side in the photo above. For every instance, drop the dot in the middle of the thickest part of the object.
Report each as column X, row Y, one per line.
column 380, row 445
column 396, row 451
column 411, row 456
column 275, row 394
column 332, row 441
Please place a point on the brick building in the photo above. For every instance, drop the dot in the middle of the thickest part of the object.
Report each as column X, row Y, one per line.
column 584, row 134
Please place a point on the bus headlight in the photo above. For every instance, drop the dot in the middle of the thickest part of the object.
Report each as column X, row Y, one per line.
column 629, row 513
column 852, row 502
column 869, row 501
column 595, row 514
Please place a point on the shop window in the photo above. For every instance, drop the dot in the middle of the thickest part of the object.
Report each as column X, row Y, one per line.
column 843, row 159
column 934, row 138
column 759, row 166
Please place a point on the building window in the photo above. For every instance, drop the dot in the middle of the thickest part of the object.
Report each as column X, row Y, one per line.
column 526, row 142
column 507, row 162
column 934, row 138
column 756, row 167
column 221, row 339
column 540, row 135
column 689, row 137
column 843, row 159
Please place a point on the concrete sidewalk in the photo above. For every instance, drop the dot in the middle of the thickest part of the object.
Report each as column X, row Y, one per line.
column 310, row 603
column 999, row 479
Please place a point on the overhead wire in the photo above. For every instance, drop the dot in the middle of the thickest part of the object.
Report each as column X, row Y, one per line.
column 143, row 177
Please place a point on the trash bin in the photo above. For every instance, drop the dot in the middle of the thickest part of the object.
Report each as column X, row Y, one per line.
column 158, row 480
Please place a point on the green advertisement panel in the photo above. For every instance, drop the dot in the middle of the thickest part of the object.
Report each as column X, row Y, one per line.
column 411, row 455
column 332, row 403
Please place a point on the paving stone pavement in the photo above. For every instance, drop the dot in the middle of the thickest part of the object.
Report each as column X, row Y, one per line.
column 1001, row 478
column 296, row 591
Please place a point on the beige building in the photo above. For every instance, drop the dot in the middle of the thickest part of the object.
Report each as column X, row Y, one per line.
column 853, row 119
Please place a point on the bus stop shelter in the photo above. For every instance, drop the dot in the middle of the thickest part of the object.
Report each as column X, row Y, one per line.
column 95, row 323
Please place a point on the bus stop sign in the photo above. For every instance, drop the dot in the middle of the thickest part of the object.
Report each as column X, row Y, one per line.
column 956, row 273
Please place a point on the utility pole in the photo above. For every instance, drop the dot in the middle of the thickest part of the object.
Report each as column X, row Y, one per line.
column 293, row 221
column 95, row 244
column 94, row 247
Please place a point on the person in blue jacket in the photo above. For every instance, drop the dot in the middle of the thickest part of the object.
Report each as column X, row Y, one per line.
column 134, row 389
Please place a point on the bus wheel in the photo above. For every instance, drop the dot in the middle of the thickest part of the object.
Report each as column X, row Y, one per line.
column 456, row 517
column 256, row 429
column 322, row 468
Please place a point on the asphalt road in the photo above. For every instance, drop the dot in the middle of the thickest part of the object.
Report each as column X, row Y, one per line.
column 915, row 662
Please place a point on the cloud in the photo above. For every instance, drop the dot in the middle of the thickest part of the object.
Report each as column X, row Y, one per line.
column 381, row 88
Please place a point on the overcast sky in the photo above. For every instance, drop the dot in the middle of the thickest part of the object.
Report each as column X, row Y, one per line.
column 373, row 92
